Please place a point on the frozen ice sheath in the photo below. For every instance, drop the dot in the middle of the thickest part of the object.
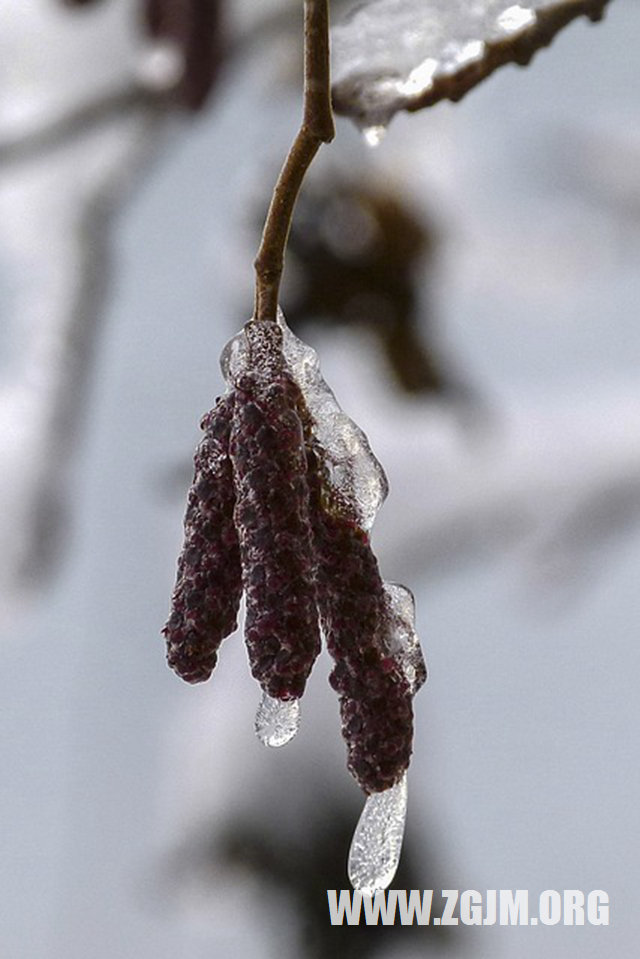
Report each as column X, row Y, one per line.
column 295, row 489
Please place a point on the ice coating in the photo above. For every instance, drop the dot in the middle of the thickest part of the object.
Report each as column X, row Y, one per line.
column 402, row 640
column 391, row 55
column 277, row 720
column 356, row 475
column 377, row 840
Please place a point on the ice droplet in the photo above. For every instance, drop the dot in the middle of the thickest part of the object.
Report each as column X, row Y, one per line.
column 277, row 720
column 374, row 135
column 377, row 840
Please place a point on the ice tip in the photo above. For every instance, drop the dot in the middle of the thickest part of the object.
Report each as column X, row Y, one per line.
column 277, row 720
column 377, row 841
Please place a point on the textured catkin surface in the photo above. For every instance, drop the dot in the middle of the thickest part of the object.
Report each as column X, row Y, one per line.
column 269, row 463
column 375, row 699
column 208, row 587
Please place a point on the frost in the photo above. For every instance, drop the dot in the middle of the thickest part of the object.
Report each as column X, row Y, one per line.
column 377, row 841
column 391, row 55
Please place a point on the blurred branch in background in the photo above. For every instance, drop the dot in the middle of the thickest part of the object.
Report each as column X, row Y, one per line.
column 56, row 213
column 62, row 179
column 290, row 872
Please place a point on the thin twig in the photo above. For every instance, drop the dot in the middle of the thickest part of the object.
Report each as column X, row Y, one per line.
column 317, row 128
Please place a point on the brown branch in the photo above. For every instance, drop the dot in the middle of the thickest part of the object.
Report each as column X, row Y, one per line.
column 317, row 128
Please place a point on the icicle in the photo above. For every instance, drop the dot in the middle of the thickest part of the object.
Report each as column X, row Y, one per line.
column 277, row 720
column 377, row 840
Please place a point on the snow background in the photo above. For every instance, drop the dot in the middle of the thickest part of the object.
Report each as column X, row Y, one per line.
column 525, row 772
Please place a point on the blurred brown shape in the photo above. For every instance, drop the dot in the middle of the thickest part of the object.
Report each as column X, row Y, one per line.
column 195, row 26
column 362, row 254
column 299, row 869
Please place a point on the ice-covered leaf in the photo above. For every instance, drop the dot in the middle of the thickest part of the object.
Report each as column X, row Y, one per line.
column 391, row 55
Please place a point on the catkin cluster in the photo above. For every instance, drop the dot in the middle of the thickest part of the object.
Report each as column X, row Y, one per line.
column 262, row 518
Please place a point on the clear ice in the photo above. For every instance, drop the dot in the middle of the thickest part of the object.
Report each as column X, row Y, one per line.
column 360, row 487
column 402, row 641
column 377, row 841
column 356, row 475
column 277, row 720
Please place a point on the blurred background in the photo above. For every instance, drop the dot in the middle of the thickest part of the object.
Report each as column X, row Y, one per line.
column 471, row 286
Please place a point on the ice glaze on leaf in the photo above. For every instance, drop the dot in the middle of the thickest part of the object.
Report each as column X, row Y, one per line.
column 391, row 55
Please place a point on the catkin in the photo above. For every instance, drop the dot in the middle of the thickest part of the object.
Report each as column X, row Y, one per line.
column 375, row 699
column 272, row 518
column 208, row 587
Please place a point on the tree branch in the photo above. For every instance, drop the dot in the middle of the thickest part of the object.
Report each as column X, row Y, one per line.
column 317, row 128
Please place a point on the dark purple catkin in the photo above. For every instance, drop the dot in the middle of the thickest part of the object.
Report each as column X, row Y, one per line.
column 269, row 464
column 195, row 27
column 208, row 587
column 375, row 698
